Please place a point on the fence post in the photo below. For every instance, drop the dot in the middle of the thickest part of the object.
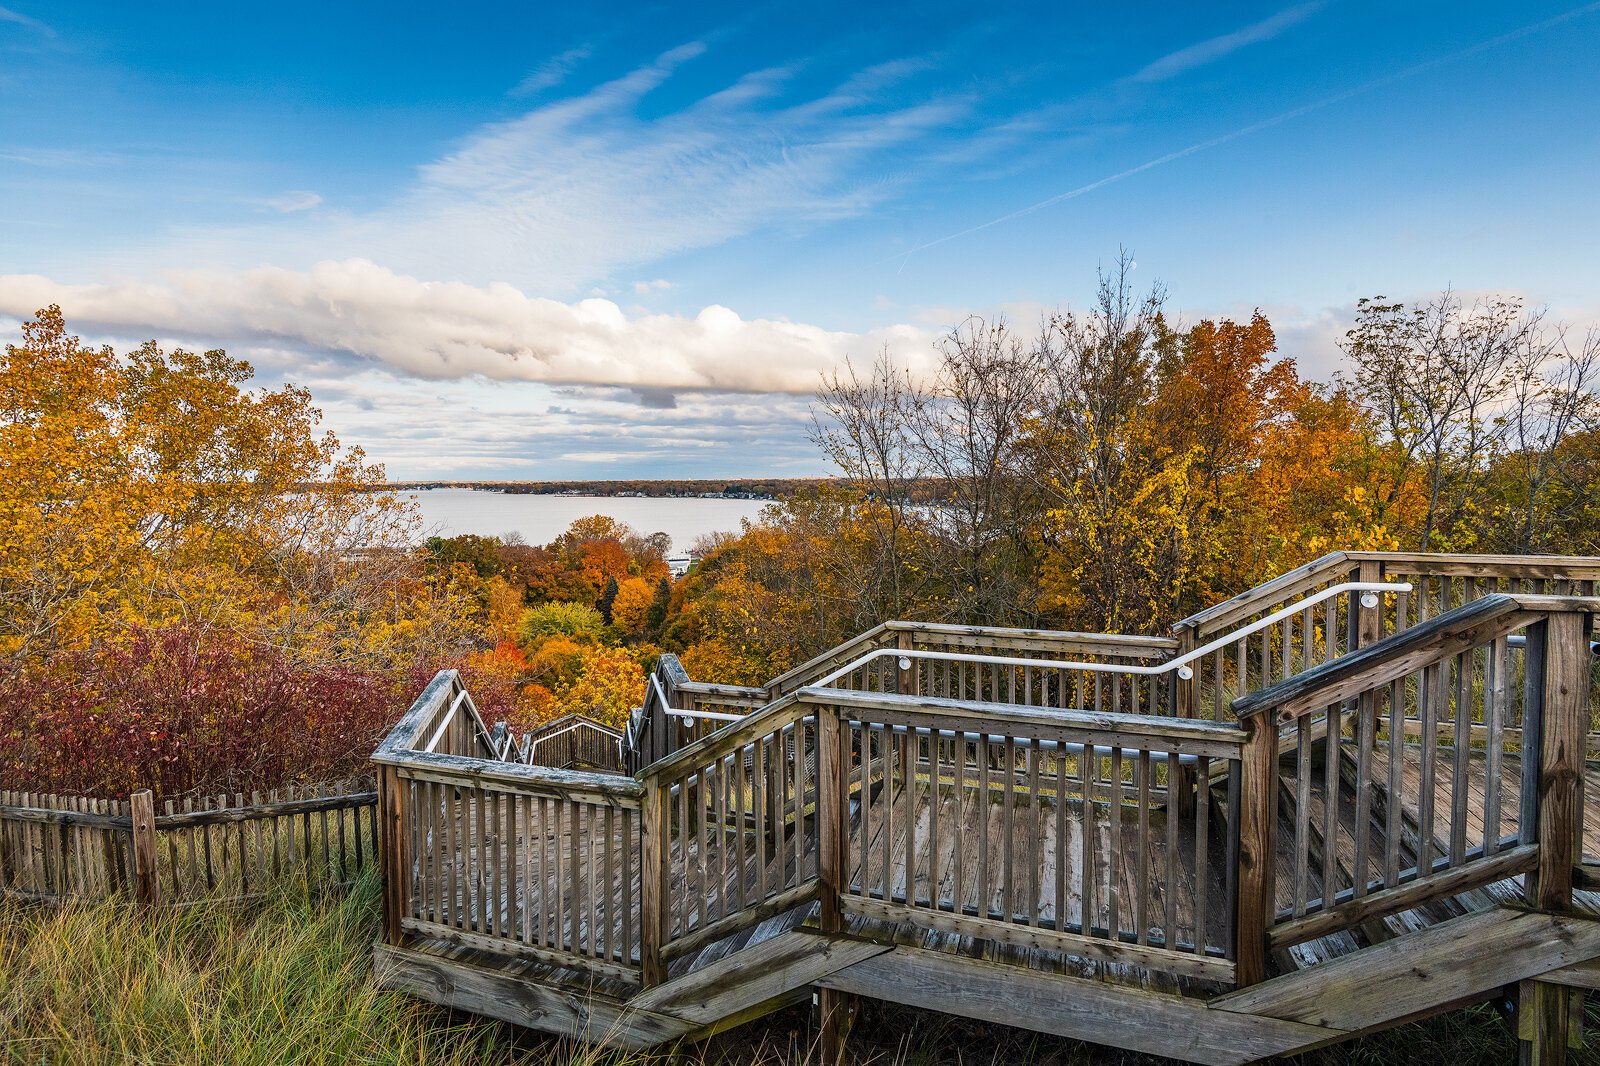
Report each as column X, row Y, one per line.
column 1258, row 808
column 146, row 874
column 1184, row 687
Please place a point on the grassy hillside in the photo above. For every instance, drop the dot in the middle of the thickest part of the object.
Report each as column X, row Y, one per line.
column 288, row 981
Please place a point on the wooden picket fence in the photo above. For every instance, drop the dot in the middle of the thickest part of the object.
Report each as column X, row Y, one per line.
column 56, row 849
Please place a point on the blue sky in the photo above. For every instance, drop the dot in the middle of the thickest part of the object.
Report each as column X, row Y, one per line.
column 581, row 241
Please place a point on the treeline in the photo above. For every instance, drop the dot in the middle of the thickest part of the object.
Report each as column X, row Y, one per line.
column 765, row 488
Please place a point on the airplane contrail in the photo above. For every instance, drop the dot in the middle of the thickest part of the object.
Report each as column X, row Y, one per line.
column 1255, row 127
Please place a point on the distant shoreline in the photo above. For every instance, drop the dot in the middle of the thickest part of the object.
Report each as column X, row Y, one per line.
column 723, row 488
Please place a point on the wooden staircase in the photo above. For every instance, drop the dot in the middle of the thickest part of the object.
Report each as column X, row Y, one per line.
column 1374, row 835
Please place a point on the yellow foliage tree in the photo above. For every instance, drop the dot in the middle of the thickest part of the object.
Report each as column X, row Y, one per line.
column 156, row 488
column 630, row 611
column 611, row 685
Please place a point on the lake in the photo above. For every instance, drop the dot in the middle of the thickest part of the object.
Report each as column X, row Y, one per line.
column 540, row 519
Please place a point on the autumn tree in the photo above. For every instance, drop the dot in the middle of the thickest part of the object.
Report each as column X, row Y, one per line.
column 155, row 488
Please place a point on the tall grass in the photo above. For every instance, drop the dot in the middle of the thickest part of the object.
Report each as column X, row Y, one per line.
column 288, row 980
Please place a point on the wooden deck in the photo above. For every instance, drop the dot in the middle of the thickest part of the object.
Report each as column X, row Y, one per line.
column 946, row 834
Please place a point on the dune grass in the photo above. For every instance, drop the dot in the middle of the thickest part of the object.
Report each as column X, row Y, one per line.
column 288, row 980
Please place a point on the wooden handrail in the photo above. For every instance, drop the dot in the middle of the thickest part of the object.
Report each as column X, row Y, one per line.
column 1399, row 654
column 1545, row 847
column 1516, row 567
column 724, row 740
column 795, row 677
column 1216, row 738
column 513, row 776
column 1281, row 587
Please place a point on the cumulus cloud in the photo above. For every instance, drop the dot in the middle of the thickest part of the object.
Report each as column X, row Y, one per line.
column 645, row 288
column 1209, row 51
column 455, row 330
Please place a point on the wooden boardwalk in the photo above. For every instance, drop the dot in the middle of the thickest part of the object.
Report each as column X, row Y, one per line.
column 1045, row 830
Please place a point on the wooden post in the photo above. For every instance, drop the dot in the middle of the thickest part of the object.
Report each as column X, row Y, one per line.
column 393, row 858
column 831, row 804
column 655, row 829
column 906, row 679
column 1369, row 620
column 835, row 1011
column 832, row 868
column 146, row 874
column 1257, row 813
column 1549, row 1022
column 1558, row 676
column 1183, row 694
column 659, row 741
column 1182, row 780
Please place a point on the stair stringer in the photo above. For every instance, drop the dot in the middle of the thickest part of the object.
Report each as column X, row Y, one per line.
column 765, row 975
column 1422, row 973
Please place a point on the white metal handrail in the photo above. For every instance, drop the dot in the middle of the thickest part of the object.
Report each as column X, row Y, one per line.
column 1181, row 663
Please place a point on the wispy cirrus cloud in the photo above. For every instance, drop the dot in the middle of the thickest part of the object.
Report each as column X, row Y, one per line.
column 552, row 72
column 9, row 15
column 581, row 188
column 1215, row 48
column 294, row 200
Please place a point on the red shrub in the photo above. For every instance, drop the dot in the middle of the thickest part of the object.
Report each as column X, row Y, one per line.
column 178, row 712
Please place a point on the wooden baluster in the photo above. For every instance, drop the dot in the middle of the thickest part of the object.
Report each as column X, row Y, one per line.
column 1431, row 699
column 1302, row 814
column 1330, row 804
column 1494, row 718
column 1393, row 797
column 1202, row 855
column 1462, row 736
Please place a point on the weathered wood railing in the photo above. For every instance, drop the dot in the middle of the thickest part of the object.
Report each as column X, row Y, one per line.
column 1340, row 626
column 970, row 662
column 60, row 848
column 1043, row 828
column 573, row 741
column 1377, row 825
column 731, row 835
column 521, row 860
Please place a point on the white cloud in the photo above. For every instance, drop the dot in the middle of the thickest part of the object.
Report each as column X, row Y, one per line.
column 577, row 189
column 1215, row 48
column 551, row 72
column 294, row 200
column 444, row 330
column 645, row 288
column 8, row 15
